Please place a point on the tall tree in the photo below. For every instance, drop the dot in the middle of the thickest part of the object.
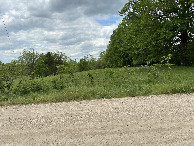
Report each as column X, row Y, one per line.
column 27, row 61
column 41, row 69
column 151, row 29
column 52, row 60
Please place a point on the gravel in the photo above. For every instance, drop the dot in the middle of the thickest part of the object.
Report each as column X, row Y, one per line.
column 153, row 120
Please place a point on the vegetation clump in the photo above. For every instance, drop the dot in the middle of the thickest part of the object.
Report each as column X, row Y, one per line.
column 147, row 54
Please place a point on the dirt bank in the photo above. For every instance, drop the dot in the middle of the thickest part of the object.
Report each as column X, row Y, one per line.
column 154, row 120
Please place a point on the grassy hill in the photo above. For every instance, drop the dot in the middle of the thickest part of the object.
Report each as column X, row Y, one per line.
column 102, row 83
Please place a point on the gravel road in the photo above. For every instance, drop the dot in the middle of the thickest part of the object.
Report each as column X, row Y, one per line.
column 166, row 120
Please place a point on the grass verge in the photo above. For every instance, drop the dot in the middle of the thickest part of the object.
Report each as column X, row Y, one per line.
column 97, row 84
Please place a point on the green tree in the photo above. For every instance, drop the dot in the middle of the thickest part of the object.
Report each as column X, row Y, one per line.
column 151, row 29
column 27, row 61
column 118, row 51
column 40, row 69
column 8, row 72
column 101, row 62
column 69, row 67
column 52, row 60
column 50, row 63
column 86, row 63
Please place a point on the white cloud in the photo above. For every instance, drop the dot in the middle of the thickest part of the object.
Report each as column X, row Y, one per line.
column 56, row 25
column 94, row 52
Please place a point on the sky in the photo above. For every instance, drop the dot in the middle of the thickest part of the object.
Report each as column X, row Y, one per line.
column 74, row 27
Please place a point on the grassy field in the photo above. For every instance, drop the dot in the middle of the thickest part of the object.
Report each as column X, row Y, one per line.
column 102, row 83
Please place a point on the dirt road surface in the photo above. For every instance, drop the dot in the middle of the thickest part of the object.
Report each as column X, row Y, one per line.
column 166, row 120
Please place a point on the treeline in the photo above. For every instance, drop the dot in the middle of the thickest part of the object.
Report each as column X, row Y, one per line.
column 32, row 64
column 151, row 29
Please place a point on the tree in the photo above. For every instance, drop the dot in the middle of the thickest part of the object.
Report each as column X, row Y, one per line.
column 118, row 53
column 86, row 63
column 151, row 29
column 50, row 64
column 101, row 62
column 69, row 67
column 52, row 60
column 27, row 61
column 40, row 69
column 8, row 72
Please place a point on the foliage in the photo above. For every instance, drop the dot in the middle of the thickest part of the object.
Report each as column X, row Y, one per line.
column 86, row 63
column 27, row 61
column 32, row 65
column 151, row 29
column 101, row 83
column 155, row 34
column 101, row 62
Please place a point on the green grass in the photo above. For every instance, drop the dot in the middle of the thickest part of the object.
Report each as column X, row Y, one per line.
column 102, row 83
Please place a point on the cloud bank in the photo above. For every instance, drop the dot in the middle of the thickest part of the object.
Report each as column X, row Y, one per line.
column 75, row 27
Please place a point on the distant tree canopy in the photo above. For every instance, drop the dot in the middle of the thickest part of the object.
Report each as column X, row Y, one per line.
column 151, row 29
column 32, row 64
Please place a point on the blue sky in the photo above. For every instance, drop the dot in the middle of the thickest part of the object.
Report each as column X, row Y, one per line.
column 111, row 20
column 75, row 27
